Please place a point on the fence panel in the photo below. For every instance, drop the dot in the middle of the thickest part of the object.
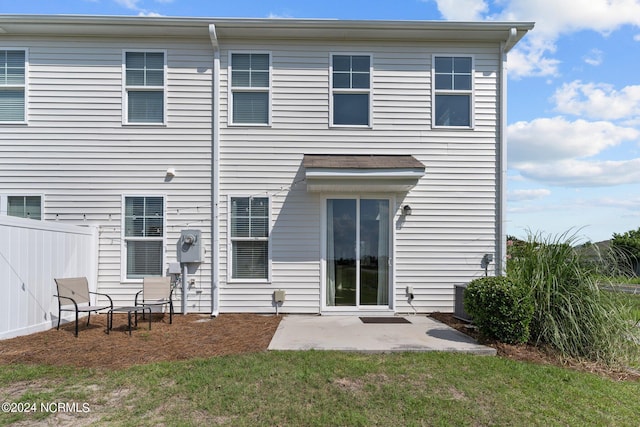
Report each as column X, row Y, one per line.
column 32, row 253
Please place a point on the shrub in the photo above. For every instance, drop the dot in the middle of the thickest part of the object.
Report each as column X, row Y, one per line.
column 500, row 309
column 571, row 313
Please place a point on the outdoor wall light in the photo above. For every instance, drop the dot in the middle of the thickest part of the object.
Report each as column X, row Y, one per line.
column 406, row 210
column 171, row 172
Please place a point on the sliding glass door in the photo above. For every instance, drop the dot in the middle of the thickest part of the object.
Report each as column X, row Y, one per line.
column 357, row 252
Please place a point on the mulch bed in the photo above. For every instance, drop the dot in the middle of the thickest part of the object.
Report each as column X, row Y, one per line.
column 190, row 336
column 201, row 336
column 539, row 355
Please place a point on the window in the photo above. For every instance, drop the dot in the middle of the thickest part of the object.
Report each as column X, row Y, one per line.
column 250, row 82
column 351, row 90
column 24, row 206
column 144, row 87
column 12, row 85
column 453, row 77
column 250, row 238
column 143, row 236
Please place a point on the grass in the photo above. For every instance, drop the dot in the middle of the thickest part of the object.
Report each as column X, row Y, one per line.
column 327, row 388
column 571, row 312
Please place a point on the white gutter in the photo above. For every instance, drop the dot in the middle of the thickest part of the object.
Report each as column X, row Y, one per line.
column 501, row 167
column 215, row 174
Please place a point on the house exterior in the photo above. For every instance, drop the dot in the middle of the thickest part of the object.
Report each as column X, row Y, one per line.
column 356, row 166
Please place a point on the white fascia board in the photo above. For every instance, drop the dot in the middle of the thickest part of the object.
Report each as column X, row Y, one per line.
column 364, row 173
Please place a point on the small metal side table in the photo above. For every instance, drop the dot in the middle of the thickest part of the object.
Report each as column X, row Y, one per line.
column 130, row 310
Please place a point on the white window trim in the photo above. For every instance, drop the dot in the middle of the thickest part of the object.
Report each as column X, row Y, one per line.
column 231, row 89
column 4, row 203
column 435, row 92
column 354, row 91
column 124, row 239
column 231, row 239
column 125, row 88
column 24, row 86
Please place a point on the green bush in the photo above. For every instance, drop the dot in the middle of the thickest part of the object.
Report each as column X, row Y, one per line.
column 571, row 313
column 499, row 308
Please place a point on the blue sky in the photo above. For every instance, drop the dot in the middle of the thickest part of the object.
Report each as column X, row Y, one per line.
column 574, row 94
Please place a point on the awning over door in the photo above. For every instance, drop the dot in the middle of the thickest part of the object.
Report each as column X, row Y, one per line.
column 361, row 173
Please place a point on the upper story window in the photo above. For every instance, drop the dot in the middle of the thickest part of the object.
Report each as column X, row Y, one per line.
column 143, row 237
column 144, row 87
column 351, row 90
column 12, row 86
column 249, row 238
column 24, row 206
column 453, row 76
column 250, row 84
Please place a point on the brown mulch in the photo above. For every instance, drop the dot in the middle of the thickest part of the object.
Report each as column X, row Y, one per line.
column 190, row 336
column 539, row 355
column 201, row 336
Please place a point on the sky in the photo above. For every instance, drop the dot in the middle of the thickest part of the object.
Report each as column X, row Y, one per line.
column 573, row 94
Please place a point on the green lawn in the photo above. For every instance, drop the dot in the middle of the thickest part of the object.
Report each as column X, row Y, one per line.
column 327, row 388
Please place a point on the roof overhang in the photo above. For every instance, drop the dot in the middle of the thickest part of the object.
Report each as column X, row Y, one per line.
column 266, row 28
column 361, row 173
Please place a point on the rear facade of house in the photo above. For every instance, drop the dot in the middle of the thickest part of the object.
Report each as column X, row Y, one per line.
column 357, row 166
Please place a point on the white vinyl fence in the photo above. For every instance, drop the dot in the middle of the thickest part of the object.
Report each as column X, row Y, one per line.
column 32, row 253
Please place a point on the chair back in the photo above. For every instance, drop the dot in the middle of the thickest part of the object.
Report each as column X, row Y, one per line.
column 156, row 289
column 76, row 288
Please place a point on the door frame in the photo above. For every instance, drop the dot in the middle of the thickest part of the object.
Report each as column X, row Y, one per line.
column 357, row 309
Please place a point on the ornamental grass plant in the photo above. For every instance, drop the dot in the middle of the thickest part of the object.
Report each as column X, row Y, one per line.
column 571, row 311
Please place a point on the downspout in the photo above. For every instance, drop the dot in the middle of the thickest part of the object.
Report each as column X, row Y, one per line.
column 501, row 186
column 215, row 173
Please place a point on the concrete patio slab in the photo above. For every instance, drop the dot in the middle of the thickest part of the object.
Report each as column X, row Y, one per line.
column 349, row 333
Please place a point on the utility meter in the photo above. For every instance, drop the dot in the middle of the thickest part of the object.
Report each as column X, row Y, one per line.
column 190, row 247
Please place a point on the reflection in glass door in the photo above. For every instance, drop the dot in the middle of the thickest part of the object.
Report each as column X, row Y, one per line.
column 357, row 252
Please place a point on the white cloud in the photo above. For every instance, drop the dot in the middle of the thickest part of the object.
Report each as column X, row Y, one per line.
column 598, row 100
column 462, row 10
column 578, row 173
column 552, row 139
column 129, row 4
column 525, row 195
column 553, row 18
column 134, row 6
column 595, row 57
column 278, row 16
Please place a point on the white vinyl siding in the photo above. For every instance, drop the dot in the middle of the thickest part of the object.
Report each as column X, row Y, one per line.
column 453, row 91
column 454, row 204
column 249, row 237
column 250, row 88
column 350, row 90
column 13, row 85
column 78, row 155
column 144, row 87
column 143, row 236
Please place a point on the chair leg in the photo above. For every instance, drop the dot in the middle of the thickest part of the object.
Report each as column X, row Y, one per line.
column 76, row 323
column 171, row 312
column 59, row 316
column 88, row 318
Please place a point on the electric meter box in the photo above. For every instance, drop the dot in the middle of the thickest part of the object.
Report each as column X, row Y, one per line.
column 190, row 248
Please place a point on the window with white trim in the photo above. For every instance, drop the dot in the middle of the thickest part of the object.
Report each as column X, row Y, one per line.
column 13, row 85
column 453, row 89
column 350, row 90
column 250, row 88
column 249, row 237
column 143, row 236
column 144, row 87
column 24, row 206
